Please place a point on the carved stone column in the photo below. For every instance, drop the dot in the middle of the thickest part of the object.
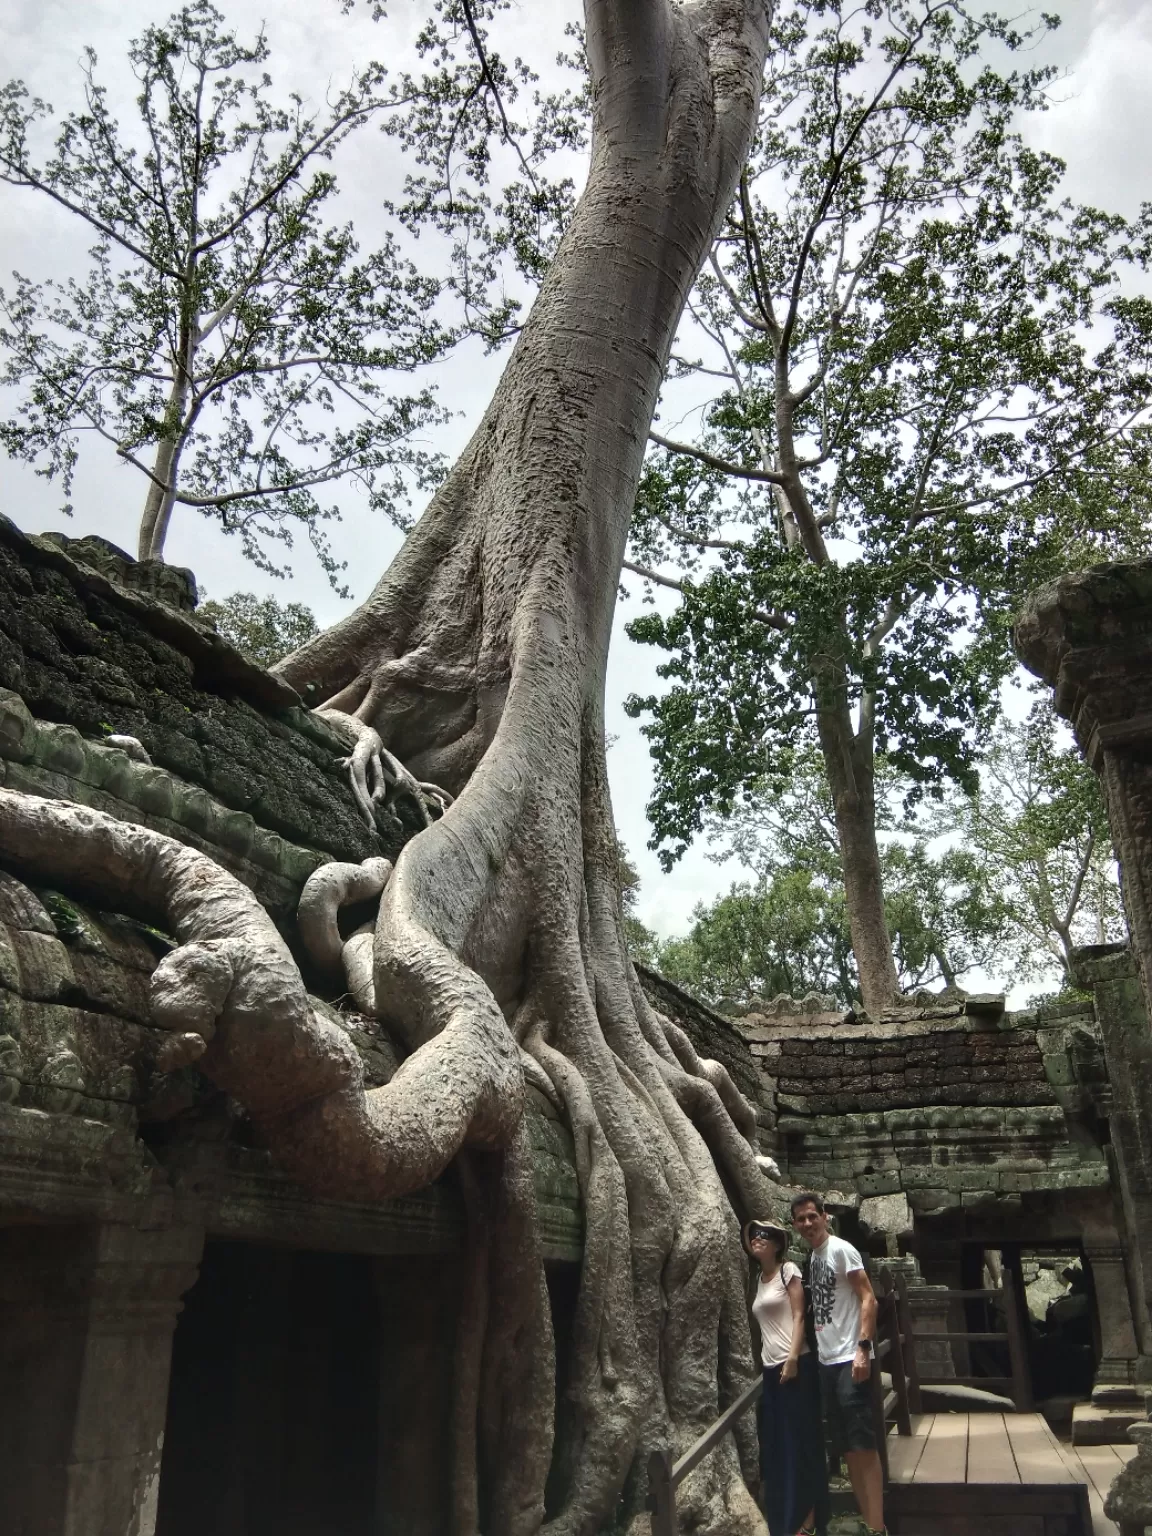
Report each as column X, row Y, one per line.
column 1089, row 635
column 1117, row 1399
column 1118, row 1349
column 1123, row 1020
column 86, row 1320
column 930, row 1309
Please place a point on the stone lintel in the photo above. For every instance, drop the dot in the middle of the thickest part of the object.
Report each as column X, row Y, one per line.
column 68, row 1168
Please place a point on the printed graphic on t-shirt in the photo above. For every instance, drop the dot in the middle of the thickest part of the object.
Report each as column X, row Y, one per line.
column 823, row 1292
column 835, row 1305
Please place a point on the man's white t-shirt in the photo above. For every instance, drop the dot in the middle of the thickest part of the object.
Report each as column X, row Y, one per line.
column 835, row 1305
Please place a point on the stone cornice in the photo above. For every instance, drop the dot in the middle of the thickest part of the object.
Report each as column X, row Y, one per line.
column 1089, row 636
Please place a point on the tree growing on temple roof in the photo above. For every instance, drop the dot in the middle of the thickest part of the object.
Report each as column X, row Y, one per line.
column 474, row 674
column 787, row 930
column 229, row 341
column 1006, row 881
column 924, row 389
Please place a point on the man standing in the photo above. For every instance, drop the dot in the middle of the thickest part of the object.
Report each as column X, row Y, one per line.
column 844, row 1316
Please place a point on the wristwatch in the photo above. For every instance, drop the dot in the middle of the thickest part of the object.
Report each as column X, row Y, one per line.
column 867, row 1344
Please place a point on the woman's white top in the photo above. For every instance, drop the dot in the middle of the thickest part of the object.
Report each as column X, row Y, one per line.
column 772, row 1309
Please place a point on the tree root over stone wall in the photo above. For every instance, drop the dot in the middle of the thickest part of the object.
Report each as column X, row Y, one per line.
column 478, row 662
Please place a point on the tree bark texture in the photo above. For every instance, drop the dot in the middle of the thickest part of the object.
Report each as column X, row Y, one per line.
column 161, row 496
column 158, row 503
column 851, row 767
column 497, row 952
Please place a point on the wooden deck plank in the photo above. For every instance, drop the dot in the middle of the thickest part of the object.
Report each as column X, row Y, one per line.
column 1100, row 1464
column 1125, row 1452
column 905, row 1451
column 990, row 1458
column 1093, row 1469
column 1037, row 1453
column 945, row 1458
column 962, row 1481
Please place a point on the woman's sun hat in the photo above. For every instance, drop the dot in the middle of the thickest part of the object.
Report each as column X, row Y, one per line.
column 763, row 1226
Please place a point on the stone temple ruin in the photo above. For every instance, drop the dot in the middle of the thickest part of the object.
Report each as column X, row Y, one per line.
column 190, row 1344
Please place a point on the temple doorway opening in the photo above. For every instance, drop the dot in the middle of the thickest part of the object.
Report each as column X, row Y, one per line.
column 309, row 1391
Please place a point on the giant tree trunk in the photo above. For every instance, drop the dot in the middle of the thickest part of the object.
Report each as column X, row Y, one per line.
column 479, row 660
column 851, row 770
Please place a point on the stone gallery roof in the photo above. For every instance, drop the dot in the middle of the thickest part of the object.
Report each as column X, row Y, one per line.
column 949, row 1100
column 92, row 645
column 946, row 1099
column 86, row 653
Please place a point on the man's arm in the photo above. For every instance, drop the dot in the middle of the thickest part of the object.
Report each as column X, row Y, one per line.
column 860, row 1283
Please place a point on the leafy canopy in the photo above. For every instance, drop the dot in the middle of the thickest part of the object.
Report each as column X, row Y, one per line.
column 264, row 629
column 1039, row 826
column 786, row 931
column 925, row 377
column 1009, row 880
column 230, row 341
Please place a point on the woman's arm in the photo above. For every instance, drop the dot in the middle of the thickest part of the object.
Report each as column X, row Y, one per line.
column 796, row 1301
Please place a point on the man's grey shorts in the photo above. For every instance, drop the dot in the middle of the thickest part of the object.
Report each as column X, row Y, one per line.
column 847, row 1409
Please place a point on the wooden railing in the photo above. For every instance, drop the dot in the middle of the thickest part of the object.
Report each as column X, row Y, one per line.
column 1017, row 1386
column 896, row 1345
column 666, row 1475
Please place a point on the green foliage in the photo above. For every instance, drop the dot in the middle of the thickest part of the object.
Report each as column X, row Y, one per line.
column 1009, row 880
column 933, row 393
column 787, row 931
column 785, row 934
column 1039, row 827
column 643, row 944
column 230, row 342
column 265, row 630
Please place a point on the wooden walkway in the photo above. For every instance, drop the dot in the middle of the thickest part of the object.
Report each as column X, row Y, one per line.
column 993, row 1474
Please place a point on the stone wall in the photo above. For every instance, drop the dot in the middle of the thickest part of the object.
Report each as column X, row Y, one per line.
column 1088, row 634
column 950, row 1102
column 113, row 1176
column 93, row 644
column 84, row 652
column 78, row 1092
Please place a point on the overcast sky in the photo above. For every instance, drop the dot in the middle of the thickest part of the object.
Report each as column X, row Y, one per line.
column 1099, row 125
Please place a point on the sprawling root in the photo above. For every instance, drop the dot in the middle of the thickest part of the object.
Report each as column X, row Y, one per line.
column 329, row 888
column 233, row 992
column 233, row 999
column 479, row 662
column 742, row 1114
column 376, row 776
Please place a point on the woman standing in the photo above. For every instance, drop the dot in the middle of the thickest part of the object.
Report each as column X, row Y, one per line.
column 793, row 1464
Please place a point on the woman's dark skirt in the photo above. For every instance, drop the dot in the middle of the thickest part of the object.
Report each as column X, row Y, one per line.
column 793, row 1463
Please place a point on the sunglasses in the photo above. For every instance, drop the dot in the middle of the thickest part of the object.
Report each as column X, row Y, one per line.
column 757, row 1229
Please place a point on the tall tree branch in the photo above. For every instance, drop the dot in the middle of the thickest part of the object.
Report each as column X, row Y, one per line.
column 768, row 476
column 761, row 615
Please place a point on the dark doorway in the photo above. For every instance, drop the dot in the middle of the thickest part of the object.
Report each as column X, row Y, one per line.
column 1056, row 1307
column 273, row 1403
